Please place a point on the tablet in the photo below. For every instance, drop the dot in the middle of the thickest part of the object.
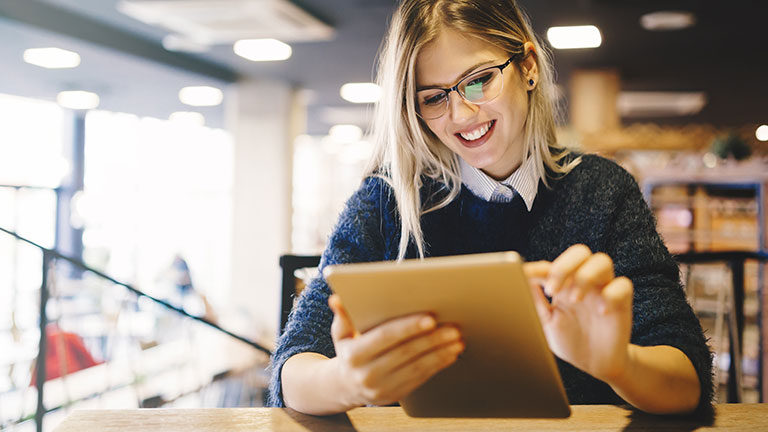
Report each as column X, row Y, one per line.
column 507, row 369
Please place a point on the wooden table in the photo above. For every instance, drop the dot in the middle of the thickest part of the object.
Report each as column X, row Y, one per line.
column 732, row 417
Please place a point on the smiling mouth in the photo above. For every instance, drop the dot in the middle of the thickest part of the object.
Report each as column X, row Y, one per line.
column 478, row 136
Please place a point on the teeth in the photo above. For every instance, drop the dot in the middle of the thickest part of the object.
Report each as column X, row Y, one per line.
column 477, row 133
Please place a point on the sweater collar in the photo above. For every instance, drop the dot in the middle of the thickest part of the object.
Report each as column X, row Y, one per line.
column 524, row 181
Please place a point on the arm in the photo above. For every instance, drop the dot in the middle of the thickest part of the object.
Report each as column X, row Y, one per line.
column 355, row 238
column 309, row 385
column 658, row 379
column 653, row 329
column 321, row 365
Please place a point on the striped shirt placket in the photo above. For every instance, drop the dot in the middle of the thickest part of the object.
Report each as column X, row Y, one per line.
column 524, row 182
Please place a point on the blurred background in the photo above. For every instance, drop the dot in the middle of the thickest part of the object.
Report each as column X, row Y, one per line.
column 159, row 157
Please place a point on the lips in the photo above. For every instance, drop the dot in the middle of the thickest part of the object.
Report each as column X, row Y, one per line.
column 476, row 136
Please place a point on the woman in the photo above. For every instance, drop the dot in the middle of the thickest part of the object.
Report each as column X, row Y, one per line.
column 466, row 162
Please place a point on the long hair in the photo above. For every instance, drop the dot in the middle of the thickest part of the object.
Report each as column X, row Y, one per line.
column 404, row 147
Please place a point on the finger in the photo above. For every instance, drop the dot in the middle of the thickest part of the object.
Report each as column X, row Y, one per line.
column 413, row 374
column 543, row 307
column 617, row 295
column 537, row 271
column 593, row 274
column 565, row 266
column 416, row 347
column 341, row 327
column 384, row 337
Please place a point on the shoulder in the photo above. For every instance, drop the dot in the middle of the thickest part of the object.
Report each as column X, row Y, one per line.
column 597, row 175
column 593, row 166
column 373, row 191
column 596, row 186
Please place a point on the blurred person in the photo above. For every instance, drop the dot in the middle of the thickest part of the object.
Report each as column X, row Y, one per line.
column 184, row 295
column 466, row 161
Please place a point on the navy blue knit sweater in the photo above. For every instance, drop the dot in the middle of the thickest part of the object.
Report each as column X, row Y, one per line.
column 597, row 204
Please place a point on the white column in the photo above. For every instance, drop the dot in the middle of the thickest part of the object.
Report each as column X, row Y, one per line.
column 264, row 118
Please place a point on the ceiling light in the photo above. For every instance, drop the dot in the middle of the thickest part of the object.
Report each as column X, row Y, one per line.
column 667, row 20
column 572, row 37
column 361, row 92
column 188, row 117
column 262, row 49
column 345, row 133
column 762, row 133
column 52, row 58
column 201, row 96
column 660, row 104
column 78, row 100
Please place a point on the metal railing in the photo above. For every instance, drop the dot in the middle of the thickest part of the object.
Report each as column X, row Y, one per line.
column 49, row 256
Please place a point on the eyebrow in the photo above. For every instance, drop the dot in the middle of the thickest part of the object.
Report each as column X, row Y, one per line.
column 461, row 76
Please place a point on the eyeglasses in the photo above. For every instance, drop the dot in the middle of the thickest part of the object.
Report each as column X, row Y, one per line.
column 478, row 88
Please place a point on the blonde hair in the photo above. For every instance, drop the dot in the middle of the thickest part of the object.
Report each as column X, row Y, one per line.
column 405, row 149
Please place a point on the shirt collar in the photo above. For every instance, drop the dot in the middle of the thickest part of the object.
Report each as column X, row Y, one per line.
column 524, row 181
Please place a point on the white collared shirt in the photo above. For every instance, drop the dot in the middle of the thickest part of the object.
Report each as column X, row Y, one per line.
column 524, row 181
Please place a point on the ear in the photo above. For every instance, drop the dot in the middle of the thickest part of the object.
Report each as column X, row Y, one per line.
column 529, row 67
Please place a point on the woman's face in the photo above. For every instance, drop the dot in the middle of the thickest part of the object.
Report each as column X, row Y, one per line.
column 487, row 136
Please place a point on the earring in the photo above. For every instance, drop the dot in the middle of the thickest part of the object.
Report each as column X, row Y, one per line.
column 530, row 82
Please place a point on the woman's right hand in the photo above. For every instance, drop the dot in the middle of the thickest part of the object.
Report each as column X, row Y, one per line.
column 389, row 361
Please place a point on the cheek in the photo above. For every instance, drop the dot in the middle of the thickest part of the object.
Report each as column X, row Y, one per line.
column 437, row 127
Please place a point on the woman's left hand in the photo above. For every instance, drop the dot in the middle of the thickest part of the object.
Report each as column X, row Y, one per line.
column 589, row 321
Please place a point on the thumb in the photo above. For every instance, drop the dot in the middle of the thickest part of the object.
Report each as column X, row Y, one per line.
column 342, row 327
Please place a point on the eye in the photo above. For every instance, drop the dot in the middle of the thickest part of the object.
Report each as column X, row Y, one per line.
column 433, row 99
column 479, row 79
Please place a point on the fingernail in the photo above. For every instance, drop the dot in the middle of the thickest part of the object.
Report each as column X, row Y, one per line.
column 427, row 323
column 451, row 333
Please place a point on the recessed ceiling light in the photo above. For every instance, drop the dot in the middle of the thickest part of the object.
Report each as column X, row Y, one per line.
column 573, row 37
column 762, row 133
column 201, row 96
column 667, row 20
column 188, row 117
column 52, row 58
column 361, row 92
column 262, row 49
column 345, row 133
column 78, row 100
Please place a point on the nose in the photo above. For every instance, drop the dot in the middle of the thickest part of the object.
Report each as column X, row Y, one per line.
column 460, row 109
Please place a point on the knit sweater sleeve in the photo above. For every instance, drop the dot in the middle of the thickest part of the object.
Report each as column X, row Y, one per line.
column 357, row 237
column 661, row 313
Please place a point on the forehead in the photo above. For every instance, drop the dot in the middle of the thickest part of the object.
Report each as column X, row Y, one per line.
column 443, row 61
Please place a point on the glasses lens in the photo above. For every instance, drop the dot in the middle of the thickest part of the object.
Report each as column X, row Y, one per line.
column 431, row 103
column 482, row 86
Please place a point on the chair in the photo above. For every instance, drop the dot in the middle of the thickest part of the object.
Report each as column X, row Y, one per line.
column 290, row 285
